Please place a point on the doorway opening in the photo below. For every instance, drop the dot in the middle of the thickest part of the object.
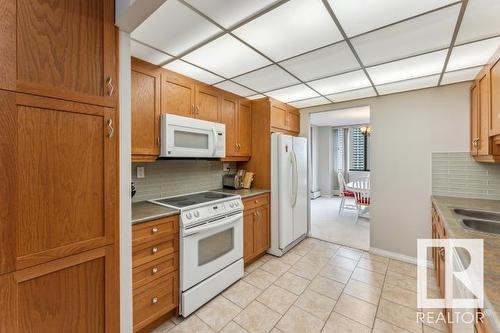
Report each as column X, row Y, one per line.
column 340, row 176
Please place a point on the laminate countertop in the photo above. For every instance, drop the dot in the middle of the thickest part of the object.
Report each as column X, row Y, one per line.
column 452, row 223
column 144, row 211
column 244, row 193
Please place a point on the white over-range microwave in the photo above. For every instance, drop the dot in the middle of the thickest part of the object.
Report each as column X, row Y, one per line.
column 189, row 137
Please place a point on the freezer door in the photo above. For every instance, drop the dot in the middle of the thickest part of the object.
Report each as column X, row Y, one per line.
column 300, row 207
column 285, row 188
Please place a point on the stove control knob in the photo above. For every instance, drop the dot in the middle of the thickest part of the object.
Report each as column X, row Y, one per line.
column 196, row 213
column 189, row 216
column 236, row 204
column 231, row 204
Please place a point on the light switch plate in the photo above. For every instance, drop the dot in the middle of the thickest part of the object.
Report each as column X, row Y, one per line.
column 140, row 172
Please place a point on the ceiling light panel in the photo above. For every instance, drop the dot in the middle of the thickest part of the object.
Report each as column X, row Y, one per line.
column 174, row 28
column 295, row 27
column 481, row 20
column 266, row 79
column 194, row 72
column 148, row 54
column 352, row 94
column 327, row 61
column 227, row 57
column 343, row 82
column 361, row 16
column 294, row 93
column 419, row 83
column 310, row 102
column 235, row 88
column 460, row 76
column 229, row 13
column 427, row 64
column 425, row 33
column 473, row 54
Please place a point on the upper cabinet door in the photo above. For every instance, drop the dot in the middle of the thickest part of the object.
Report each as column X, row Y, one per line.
column 65, row 177
column 495, row 98
column 145, row 112
column 293, row 120
column 208, row 100
column 474, row 119
column 278, row 115
column 63, row 49
column 484, row 114
column 245, row 128
column 177, row 94
column 229, row 117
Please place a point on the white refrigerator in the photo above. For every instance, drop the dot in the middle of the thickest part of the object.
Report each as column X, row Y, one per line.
column 288, row 192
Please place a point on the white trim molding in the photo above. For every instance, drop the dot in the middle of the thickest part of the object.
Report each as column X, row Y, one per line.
column 398, row 256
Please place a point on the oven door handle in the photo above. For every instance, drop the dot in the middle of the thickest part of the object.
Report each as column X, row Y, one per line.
column 211, row 226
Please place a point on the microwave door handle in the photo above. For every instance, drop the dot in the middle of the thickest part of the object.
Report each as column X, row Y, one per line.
column 214, row 132
column 211, row 226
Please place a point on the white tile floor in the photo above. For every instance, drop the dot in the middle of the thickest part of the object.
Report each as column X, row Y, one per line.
column 317, row 287
column 327, row 224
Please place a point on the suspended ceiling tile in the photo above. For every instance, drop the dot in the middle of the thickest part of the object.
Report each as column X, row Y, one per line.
column 427, row 64
column 305, row 103
column 295, row 27
column 235, row 88
column 148, row 54
column 266, row 79
column 481, row 20
column 174, row 28
column 327, row 61
column 294, row 93
column 352, row 94
column 255, row 96
column 461, row 75
column 360, row 16
column 194, row 72
column 425, row 33
column 419, row 83
column 473, row 54
column 227, row 57
column 229, row 13
column 343, row 82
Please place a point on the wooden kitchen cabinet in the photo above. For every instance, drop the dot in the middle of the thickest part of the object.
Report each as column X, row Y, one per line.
column 177, row 94
column 278, row 115
column 236, row 115
column 495, row 98
column 146, row 83
column 207, row 103
column 293, row 119
column 245, row 128
column 62, row 50
column 229, row 117
column 155, row 271
column 474, row 119
column 256, row 227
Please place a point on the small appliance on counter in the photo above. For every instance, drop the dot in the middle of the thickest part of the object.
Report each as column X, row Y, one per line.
column 240, row 179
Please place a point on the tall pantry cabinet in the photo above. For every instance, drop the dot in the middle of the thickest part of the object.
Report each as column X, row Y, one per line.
column 58, row 167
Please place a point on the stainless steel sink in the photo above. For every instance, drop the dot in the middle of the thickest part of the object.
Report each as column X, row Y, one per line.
column 490, row 227
column 478, row 214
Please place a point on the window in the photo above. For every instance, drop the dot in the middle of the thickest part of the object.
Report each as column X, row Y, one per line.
column 358, row 150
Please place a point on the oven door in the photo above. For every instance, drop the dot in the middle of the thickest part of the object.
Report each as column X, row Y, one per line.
column 209, row 248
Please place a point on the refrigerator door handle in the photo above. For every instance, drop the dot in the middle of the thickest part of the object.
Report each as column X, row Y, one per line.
column 295, row 179
column 291, row 189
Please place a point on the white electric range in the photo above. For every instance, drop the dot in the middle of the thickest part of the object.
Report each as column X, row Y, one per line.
column 211, row 245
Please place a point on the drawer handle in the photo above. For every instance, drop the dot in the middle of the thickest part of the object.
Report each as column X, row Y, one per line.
column 256, row 201
column 154, row 250
column 154, row 300
column 154, row 230
column 154, row 270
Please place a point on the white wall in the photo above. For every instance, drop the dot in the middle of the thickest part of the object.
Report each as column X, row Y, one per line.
column 406, row 128
column 315, row 159
column 325, row 160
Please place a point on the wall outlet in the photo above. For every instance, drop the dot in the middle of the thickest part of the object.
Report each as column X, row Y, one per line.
column 140, row 172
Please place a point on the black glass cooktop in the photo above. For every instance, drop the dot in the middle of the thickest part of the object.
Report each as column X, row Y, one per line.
column 193, row 199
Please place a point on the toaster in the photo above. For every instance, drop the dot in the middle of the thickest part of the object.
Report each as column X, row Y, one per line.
column 232, row 180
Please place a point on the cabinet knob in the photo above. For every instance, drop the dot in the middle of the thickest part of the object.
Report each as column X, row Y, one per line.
column 154, row 270
column 154, row 300
column 154, row 250
column 109, row 84
column 154, row 230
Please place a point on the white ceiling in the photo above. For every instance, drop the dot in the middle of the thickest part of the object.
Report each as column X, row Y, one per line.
column 313, row 52
column 343, row 117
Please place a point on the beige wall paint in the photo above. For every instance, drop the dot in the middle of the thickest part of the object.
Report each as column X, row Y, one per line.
column 406, row 129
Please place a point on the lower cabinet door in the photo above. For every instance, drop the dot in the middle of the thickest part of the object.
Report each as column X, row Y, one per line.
column 78, row 293
column 261, row 230
column 248, row 234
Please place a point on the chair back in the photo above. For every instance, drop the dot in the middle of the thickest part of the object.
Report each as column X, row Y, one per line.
column 341, row 179
column 361, row 189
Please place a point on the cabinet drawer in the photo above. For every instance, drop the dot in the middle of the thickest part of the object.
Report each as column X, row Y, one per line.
column 256, row 201
column 150, row 251
column 149, row 231
column 155, row 269
column 155, row 299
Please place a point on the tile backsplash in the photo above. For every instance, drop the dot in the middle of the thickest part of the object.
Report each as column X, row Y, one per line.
column 459, row 175
column 173, row 177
